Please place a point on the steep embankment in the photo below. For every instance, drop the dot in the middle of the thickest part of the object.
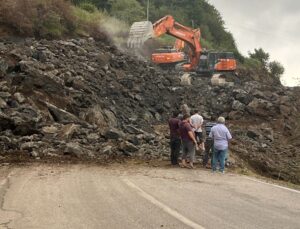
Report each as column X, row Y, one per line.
column 87, row 99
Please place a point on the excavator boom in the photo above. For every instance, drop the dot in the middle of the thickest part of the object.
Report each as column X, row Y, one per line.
column 168, row 25
column 142, row 31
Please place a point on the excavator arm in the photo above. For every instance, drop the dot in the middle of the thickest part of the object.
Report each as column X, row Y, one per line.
column 168, row 25
column 179, row 45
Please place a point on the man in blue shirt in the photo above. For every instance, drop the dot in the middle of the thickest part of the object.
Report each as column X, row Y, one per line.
column 221, row 136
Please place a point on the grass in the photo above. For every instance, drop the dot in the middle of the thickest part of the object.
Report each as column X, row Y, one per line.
column 57, row 19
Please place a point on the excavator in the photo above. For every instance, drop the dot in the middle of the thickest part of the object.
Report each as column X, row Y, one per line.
column 199, row 60
column 170, row 56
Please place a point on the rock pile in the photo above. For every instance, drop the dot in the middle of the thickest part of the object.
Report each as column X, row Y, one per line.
column 87, row 99
column 79, row 97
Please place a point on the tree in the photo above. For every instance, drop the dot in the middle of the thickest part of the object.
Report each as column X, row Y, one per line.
column 127, row 10
column 276, row 69
column 100, row 4
column 260, row 55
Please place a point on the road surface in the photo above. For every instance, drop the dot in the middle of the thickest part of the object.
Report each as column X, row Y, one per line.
column 81, row 196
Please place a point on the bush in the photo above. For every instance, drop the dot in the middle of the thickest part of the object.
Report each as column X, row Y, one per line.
column 276, row 69
column 252, row 63
column 51, row 26
column 89, row 7
column 52, row 18
column 261, row 56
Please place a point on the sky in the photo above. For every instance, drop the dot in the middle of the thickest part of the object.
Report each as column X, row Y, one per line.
column 273, row 25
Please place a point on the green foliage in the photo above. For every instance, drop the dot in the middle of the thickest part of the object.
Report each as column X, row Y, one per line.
column 259, row 59
column 50, row 26
column 166, row 40
column 260, row 55
column 252, row 63
column 41, row 18
column 100, row 4
column 276, row 69
column 91, row 8
column 127, row 10
column 195, row 13
column 59, row 18
column 207, row 44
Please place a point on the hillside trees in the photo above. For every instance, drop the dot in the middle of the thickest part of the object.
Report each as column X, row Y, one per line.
column 197, row 14
column 127, row 10
column 260, row 58
column 260, row 55
column 276, row 69
column 192, row 13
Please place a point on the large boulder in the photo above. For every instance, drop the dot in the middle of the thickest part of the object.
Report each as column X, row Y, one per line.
column 61, row 116
column 113, row 133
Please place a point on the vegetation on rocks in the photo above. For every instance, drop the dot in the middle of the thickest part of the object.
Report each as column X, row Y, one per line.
column 260, row 61
column 53, row 19
column 198, row 13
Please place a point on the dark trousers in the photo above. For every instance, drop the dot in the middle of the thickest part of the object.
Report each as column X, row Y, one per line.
column 208, row 151
column 175, row 145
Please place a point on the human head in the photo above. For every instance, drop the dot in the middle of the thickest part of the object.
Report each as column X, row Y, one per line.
column 196, row 111
column 221, row 120
column 185, row 109
column 186, row 116
column 175, row 114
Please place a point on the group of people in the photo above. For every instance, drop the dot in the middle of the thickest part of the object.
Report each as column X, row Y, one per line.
column 186, row 136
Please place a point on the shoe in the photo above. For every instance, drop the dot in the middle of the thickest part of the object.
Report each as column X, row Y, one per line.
column 191, row 167
column 181, row 165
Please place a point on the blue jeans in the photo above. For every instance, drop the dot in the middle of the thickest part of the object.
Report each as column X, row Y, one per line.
column 219, row 156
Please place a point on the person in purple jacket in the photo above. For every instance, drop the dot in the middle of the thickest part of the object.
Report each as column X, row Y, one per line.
column 175, row 141
column 221, row 136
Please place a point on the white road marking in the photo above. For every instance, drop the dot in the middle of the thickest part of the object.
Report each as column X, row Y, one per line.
column 274, row 185
column 164, row 207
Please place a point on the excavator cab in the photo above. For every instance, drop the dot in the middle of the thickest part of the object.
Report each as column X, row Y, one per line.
column 216, row 62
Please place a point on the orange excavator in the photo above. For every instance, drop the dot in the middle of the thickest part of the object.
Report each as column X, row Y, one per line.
column 199, row 60
column 169, row 56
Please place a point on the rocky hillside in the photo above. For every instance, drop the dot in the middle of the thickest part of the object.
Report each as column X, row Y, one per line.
column 87, row 99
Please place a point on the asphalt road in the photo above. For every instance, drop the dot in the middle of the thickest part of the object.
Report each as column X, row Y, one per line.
column 80, row 196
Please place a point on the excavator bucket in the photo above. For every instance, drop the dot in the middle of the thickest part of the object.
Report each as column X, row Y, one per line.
column 139, row 33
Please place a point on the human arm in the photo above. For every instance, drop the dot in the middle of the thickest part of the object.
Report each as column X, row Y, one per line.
column 228, row 135
column 192, row 137
column 190, row 132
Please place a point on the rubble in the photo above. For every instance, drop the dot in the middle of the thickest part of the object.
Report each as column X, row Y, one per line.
column 86, row 98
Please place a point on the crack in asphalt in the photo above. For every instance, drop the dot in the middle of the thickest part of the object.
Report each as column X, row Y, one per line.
column 3, row 191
